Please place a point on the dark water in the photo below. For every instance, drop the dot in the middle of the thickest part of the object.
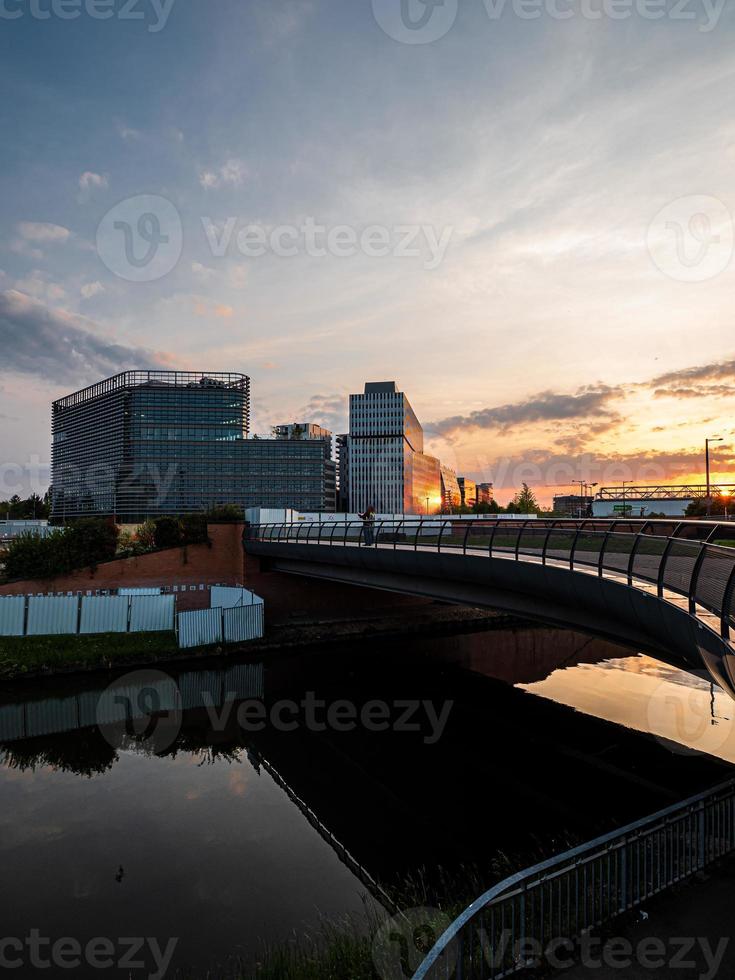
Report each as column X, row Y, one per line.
column 187, row 825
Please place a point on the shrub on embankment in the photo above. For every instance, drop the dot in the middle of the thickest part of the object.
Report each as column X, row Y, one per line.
column 86, row 542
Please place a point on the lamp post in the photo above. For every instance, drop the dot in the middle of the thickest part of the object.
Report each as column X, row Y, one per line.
column 427, row 504
column 706, row 458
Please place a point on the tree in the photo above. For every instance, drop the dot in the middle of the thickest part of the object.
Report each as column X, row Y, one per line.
column 717, row 506
column 524, row 502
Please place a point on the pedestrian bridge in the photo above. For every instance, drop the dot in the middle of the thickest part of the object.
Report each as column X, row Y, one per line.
column 663, row 587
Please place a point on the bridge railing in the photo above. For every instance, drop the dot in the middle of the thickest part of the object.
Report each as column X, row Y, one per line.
column 551, row 905
column 680, row 557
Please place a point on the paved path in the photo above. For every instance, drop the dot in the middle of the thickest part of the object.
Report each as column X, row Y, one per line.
column 701, row 909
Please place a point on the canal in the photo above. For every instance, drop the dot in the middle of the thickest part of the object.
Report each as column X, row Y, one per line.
column 232, row 806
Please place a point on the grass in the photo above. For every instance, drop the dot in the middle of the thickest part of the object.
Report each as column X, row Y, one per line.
column 30, row 654
column 344, row 948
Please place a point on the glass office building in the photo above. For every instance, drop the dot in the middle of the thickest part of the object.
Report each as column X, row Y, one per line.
column 387, row 468
column 147, row 443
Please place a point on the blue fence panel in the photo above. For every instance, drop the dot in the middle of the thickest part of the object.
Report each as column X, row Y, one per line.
column 199, row 628
column 12, row 615
column 243, row 623
column 52, row 615
column 104, row 614
column 151, row 613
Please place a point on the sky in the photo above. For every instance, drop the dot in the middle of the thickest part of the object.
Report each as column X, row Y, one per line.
column 519, row 210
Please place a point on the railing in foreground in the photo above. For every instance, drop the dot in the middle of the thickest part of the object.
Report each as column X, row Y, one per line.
column 675, row 556
column 586, row 887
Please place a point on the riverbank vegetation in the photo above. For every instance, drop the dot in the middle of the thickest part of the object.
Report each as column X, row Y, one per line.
column 21, row 655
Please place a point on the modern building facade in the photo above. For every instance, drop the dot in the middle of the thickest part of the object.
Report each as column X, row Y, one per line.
column 147, row 443
column 388, row 469
column 342, row 443
column 301, row 430
column 485, row 493
column 573, row 505
column 451, row 494
column 468, row 489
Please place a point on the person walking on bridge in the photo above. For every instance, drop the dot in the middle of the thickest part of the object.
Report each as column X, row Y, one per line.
column 368, row 521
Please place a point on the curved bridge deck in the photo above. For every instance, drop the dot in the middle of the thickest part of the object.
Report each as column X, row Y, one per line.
column 661, row 586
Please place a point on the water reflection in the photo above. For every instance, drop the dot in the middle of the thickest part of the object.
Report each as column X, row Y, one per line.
column 225, row 837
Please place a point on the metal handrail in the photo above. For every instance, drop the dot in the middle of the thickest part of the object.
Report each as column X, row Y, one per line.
column 615, row 530
column 625, row 868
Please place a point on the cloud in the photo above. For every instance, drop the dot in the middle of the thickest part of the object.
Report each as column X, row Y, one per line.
column 329, row 411
column 232, row 172
column 91, row 289
column 89, row 180
column 698, row 391
column 127, row 133
column 32, row 233
column 717, row 371
column 202, row 271
column 58, row 346
column 542, row 407
column 40, row 285
column 43, row 232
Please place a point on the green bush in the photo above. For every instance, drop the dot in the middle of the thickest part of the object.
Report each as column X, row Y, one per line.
column 84, row 543
column 226, row 513
column 194, row 528
column 167, row 532
column 146, row 535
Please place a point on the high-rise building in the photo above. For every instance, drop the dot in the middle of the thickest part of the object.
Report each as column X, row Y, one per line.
column 451, row 495
column 485, row 493
column 387, row 466
column 468, row 490
column 343, row 473
column 147, row 443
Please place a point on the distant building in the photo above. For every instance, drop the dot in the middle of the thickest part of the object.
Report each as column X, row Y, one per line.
column 451, row 494
column 387, row 466
column 301, row 430
column 343, row 473
column 147, row 443
column 485, row 493
column 573, row 505
column 468, row 490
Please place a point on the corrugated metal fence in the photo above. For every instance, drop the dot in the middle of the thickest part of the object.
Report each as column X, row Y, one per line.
column 67, row 615
column 235, row 615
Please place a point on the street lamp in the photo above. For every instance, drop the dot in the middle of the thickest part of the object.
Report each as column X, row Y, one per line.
column 706, row 457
